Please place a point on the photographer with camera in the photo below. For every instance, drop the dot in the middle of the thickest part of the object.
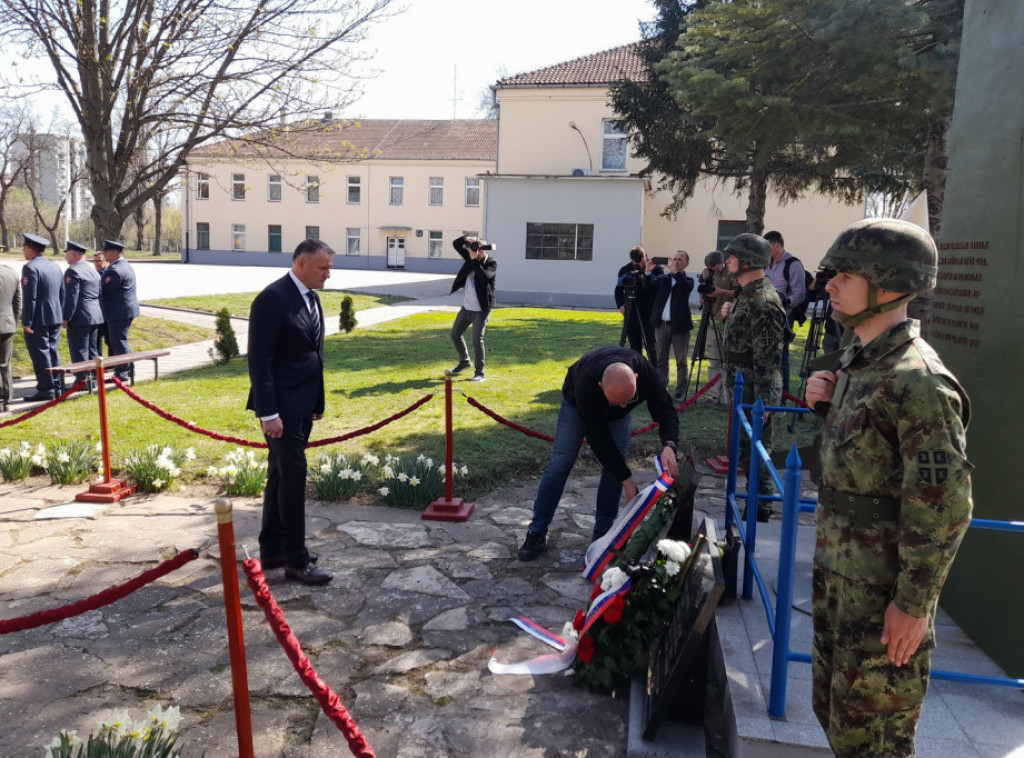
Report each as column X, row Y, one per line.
column 476, row 280
column 671, row 320
column 716, row 287
column 634, row 299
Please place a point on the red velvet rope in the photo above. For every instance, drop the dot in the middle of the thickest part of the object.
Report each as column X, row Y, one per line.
column 45, row 406
column 530, row 433
column 191, row 426
column 331, row 704
column 106, row 597
column 795, row 400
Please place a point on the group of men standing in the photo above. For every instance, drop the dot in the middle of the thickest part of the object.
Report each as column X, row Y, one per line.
column 89, row 304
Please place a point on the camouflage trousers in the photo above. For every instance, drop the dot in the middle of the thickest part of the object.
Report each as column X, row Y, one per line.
column 867, row 706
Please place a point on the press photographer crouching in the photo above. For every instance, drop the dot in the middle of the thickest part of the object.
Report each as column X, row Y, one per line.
column 476, row 280
column 635, row 299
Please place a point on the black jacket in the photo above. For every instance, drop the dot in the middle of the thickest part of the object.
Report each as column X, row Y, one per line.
column 681, row 319
column 580, row 390
column 483, row 274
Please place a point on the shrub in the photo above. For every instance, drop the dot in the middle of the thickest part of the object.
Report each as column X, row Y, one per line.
column 335, row 478
column 347, row 318
column 16, row 463
column 243, row 476
column 70, row 462
column 156, row 468
column 225, row 346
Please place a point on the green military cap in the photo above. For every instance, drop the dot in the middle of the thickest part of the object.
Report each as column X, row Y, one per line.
column 894, row 255
column 752, row 251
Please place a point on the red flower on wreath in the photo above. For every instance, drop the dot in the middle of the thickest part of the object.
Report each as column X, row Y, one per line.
column 613, row 614
column 581, row 618
column 585, row 651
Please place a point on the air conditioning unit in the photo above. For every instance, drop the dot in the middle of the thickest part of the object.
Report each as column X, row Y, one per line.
column 581, row 172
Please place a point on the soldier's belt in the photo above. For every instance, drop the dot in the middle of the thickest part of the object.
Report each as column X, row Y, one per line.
column 740, row 359
column 861, row 509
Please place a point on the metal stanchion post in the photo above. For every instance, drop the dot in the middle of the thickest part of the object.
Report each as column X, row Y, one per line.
column 110, row 490
column 236, row 640
column 448, row 508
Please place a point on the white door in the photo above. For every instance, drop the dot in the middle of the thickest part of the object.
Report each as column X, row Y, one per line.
column 396, row 252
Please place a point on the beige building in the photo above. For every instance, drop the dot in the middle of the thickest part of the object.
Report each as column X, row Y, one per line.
column 382, row 193
column 567, row 203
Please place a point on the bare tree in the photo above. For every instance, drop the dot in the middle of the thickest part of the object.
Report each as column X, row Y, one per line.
column 194, row 70
column 12, row 121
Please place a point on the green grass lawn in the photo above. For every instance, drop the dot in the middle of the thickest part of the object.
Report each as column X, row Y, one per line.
column 238, row 303
column 375, row 372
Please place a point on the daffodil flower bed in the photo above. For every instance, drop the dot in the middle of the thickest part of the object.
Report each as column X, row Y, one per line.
column 16, row 463
column 156, row 468
column 119, row 736
column 413, row 483
column 243, row 474
column 334, row 477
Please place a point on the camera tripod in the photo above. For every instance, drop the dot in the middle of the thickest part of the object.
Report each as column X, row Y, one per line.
column 821, row 311
column 633, row 312
column 700, row 343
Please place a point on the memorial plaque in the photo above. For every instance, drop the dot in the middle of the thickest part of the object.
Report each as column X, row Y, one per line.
column 675, row 653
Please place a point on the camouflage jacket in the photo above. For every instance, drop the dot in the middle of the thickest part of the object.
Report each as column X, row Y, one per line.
column 753, row 341
column 897, row 428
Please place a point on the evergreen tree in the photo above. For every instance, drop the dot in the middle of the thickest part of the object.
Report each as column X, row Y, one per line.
column 347, row 318
column 225, row 346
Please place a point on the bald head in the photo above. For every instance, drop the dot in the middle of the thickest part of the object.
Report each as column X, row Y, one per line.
column 619, row 383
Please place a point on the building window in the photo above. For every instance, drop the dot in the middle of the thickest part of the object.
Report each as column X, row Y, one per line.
column 353, row 241
column 472, row 191
column 559, row 242
column 613, row 146
column 436, row 196
column 202, row 186
column 238, row 186
column 435, row 244
column 238, row 236
column 727, row 230
column 274, row 188
column 202, row 236
column 274, row 238
column 312, row 189
column 312, row 232
column 397, row 190
column 354, row 190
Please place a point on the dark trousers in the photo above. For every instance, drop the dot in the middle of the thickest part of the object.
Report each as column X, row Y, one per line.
column 284, row 499
column 478, row 320
column 42, row 348
column 83, row 345
column 6, row 378
column 117, row 337
column 640, row 338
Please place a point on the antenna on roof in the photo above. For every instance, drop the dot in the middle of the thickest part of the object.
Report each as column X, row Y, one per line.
column 455, row 90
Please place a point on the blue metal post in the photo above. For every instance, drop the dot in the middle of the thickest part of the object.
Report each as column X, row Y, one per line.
column 784, row 585
column 753, row 488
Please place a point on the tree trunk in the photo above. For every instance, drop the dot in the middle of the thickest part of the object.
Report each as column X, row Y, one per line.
column 139, row 216
column 756, row 199
column 936, row 162
column 105, row 218
column 158, row 222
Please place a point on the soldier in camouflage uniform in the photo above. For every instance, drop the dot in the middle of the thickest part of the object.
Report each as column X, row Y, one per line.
column 754, row 329
column 895, row 494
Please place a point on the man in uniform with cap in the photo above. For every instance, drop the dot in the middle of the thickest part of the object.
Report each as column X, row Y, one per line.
column 42, row 294
column 10, row 309
column 894, row 497
column 754, row 329
column 82, row 313
column 119, row 302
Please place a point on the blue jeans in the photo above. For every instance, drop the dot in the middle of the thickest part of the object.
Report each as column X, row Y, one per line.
column 478, row 320
column 569, row 434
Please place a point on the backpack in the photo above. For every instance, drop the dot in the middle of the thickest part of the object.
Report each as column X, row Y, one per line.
column 800, row 312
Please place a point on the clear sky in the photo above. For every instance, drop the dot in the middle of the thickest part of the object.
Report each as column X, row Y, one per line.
column 438, row 51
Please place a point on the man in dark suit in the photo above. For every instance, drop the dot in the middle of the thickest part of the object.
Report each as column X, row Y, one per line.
column 10, row 309
column 286, row 376
column 82, row 314
column 671, row 322
column 42, row 293
column 119, row 302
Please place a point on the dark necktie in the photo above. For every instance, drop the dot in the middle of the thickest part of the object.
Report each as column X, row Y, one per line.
column 314, row 314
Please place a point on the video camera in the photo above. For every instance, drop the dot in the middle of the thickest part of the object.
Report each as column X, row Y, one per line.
column 631, row 279
column 705, row 285
column 476, row 246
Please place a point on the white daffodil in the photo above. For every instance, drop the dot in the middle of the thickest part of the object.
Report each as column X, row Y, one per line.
column 429, row 463
column 384, row 491
column 190, row 455
column 325, row 468
column 357, row 475
column 158, row 483
column 414, row 481
column 403, row 477
column 63, row 457
column 464, row 471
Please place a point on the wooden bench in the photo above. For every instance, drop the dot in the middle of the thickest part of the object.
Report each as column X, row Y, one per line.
column 112, row 362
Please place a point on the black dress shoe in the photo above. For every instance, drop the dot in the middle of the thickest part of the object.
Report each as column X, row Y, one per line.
column 309, row 575
column 278, row 561
column 39, row 396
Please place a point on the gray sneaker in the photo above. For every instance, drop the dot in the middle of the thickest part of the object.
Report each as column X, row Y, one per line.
column 479, row 377
column 533, row 546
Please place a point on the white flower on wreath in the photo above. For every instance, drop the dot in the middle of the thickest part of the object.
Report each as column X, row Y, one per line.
column 674, row 550
column 569, row 634
column 613, row 578
column 672, row 568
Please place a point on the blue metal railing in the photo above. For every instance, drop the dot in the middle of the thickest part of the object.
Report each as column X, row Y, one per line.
column 780, row 615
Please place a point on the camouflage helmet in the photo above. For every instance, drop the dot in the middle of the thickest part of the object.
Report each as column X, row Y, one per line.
column 714, row 258
column 894, row 255
column 751, row 250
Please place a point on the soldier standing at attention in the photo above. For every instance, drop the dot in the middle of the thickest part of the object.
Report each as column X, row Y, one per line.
column 119, row 302
column 82, row 314
column 754, row 329
column 42, row 293
column 895, row 494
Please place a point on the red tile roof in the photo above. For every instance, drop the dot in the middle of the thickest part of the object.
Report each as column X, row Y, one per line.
column 384, row 139
column 599, row 69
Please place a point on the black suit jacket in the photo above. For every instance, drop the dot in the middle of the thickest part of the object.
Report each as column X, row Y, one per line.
column 286, row 365
column 681, row 318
